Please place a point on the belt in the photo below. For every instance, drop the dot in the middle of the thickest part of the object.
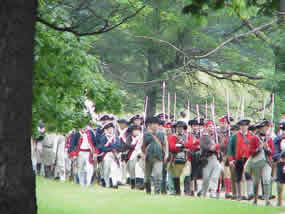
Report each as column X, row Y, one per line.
column 85, row 150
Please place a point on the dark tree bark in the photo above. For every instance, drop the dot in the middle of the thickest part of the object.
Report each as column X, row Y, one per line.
column 17, row 181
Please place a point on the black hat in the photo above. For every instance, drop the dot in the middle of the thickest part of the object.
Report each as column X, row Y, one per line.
column 282, row 125
column 106, row 117
column 108, row 125
column 243, row 122
column 162, row 115
column 137, row 116
column 263, row 123
column 152, row 120
column 252, row 128
column 193, row 122
column 180, row 124
column 123, row 121
column 134, row 127
column 235, row 127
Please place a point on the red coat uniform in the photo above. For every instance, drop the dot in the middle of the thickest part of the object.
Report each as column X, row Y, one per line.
column 238, row 147
column 253, row 147
column 173, row 141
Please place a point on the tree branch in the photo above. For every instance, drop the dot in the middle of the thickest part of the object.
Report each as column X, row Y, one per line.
column 235, row 38
column 104, row 29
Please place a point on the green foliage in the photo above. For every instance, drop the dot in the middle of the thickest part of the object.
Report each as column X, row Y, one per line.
column 63, row 71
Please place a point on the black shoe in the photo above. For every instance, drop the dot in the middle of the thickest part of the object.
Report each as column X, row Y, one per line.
column 272, row 197
column 244, row 198
column 148, row 188
column 177, row 186
column 261, row 197
column 228, row 196
column 199, row 194
column 250, row 197
column 133, row 183
column 234, row 198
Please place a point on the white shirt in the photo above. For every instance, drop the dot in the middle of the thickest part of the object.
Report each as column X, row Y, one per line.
column 85, row 143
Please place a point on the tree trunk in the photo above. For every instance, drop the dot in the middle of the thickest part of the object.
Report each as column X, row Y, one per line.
column 17, row 181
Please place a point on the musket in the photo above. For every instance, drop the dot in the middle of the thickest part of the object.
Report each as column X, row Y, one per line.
column 214, row 121
column 272, row 113
column 188, row 109
column 228, row 112
column 198, row 113
column 145, row 109
column 264, row 105
column 238, row 109
column 168, row 106
column 163, row 99
column 242, row 109
column 206, row 110
column 174, row 113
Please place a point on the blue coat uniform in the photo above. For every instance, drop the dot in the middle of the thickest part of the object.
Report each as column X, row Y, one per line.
column 74, row 147
column 113, row 146
column 277, row 156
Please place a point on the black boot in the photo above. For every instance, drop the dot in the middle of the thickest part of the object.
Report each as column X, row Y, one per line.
column 255, row 192
column 139, row 183
column 133, row 183
column 148, row 188
column 177, row 186
column 187, row 185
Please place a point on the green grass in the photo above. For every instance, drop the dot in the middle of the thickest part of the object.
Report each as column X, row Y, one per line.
column 56, row 198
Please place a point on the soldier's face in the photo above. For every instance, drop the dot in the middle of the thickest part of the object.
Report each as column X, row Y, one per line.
column 154, row 127
column 137, row 122
column 195, row 127
column 136, row 133
column 244, row 128
column 266, row 129
column 123, row 125
column 180, row 130
column 109, row 131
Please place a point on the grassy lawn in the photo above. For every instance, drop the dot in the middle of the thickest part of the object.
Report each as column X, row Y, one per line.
column 56, row 198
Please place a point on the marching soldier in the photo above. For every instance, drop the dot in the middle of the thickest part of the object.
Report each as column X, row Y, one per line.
column 260, row 161
column 196, row 169
column 179, row 158
column 234, row 130
column 82, row 148
column 48, row 154
column 238, row 153
column 279, row 157
column 104, row 119
column 109, row 147
column 211, row 166
column 223, row 138
column 122, row 132
column 153, row 149
column 134, row 153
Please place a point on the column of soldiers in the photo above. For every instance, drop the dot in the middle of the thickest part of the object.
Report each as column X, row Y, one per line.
column 162, row 155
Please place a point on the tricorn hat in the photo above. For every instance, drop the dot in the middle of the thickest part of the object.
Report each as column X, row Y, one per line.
column 244, row 122
column 108, row 125
column 180, row 124
column 106, row 117
column 152, row 120
column 122, row 120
